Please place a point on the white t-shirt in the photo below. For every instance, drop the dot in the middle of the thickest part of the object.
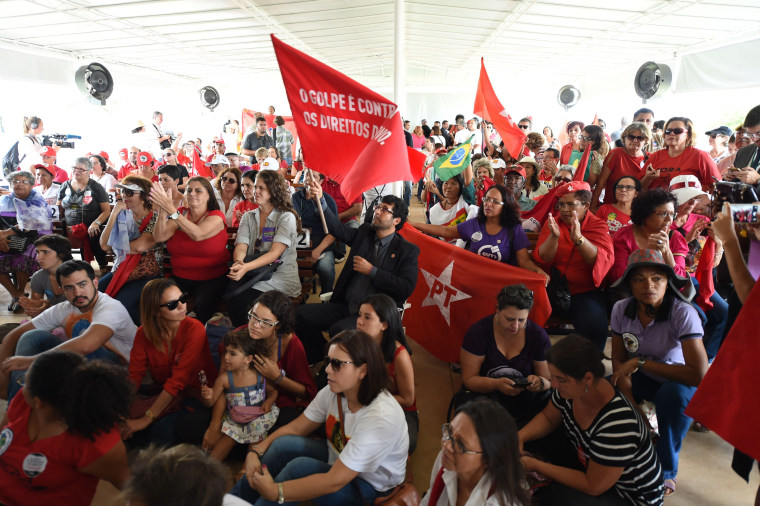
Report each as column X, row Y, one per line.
column 378, row 440
column 452, row 217
column 107, row 312
column 106, row 180
column 29, row 152
column 51, row 197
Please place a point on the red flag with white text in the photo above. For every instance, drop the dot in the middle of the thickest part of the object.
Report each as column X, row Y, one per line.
column 455, row 288
column 726, row 400
column 488, row 107
column 348, row 132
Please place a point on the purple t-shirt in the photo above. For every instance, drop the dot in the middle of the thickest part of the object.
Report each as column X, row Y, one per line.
column 660, row 341
column 495, row 246
column 481, row 342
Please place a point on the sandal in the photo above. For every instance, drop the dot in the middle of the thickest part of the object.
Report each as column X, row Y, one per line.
column 670, row 487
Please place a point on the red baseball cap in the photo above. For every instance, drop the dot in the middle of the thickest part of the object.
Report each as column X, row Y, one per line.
column 124, row 154
column 144, row 158
column 50, row 170
column 48, row 151
column 516, row 168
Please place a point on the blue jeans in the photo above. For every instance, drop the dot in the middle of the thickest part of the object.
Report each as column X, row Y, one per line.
column 325, row 269
column 128, row 294
column 35, row 342
column 293, row 457
column 716, row 322
column 588, row 313
column 670, row 400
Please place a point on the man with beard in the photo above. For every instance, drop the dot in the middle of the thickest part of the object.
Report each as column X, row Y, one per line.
column 514, row 180
column 95, row 325
column 381, row 261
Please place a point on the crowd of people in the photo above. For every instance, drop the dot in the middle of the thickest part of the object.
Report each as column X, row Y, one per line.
column 122, row 359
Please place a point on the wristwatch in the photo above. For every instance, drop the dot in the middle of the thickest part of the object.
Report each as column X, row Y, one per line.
column 174, row 215
column 280, row 494
column 641, row 361
column 150, row 414
column 580, row 241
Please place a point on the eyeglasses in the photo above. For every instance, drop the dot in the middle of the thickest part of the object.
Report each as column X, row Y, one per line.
column 489, row 200
column 128, row 193
column 562, row 179
column 21, row 181
column 383, row 209
column 568, row 205
column 524, row 127
column 665, row 214
column 447, row 434
column 625, row 187
column 586, row 138
column 639, row 138
column 713, row 136
column 229, row 180
column 173, row 304
column 78, row 169
column 754, row 137
column 335, row 363
column 262, row 323
column 168, row 154
column 675, row 131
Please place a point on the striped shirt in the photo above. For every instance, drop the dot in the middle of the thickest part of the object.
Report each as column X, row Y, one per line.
column 618, row 437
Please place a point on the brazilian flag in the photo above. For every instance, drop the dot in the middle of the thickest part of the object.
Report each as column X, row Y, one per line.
column 455, row 162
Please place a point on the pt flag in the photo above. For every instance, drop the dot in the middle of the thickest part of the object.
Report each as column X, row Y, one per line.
column 488, row 107
column 348, row 132
column 455, row 288
column 727, row 401
column 455, row 162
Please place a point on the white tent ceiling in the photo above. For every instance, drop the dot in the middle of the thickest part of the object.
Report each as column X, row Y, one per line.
column 214, row 40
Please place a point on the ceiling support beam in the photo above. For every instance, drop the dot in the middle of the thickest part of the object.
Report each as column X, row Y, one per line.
column 399, row 62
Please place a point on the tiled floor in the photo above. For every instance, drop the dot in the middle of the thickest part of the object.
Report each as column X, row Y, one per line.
column 705, row 477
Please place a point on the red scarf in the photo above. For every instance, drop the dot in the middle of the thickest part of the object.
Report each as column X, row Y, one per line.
column 126, row 267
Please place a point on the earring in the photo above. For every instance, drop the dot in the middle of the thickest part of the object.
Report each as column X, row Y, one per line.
column 586, row 388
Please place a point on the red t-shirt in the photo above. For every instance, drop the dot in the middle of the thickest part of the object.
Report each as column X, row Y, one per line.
column 240, row 209
column 564, row 155
column 125, row 170
column 177, row 370
column 392, row 374
column 46, row 471
column 332, row 188
column 199, row 260
column 293, row 361
column 692, row 161
column 621, row 164
column 613, row 217
column 60, row 175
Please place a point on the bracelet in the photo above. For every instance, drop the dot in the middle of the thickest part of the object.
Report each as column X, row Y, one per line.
column 97, row 221
column 255, row 449
column 280, row 377
column 280, row 494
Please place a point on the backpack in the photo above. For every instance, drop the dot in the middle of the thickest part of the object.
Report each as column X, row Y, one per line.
column 11, row 161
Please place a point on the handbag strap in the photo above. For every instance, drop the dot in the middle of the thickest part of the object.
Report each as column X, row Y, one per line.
column 340, row 417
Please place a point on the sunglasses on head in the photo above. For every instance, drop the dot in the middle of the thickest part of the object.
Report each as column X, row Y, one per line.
column 173, row 304
column 675, row 131
column 335, row 363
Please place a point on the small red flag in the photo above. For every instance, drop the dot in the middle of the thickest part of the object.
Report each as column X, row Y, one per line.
column 348, row 132
column 596, row 119
column 488, row 107
column 199, row 166
column 726, row 401
column 452, row 293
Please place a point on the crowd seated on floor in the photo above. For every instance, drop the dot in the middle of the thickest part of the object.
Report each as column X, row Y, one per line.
column 195, row 332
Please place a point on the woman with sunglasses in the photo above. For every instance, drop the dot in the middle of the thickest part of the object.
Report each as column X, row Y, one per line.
column 597, row 444
column 652, row 213
column 266, row 234
column 85, row 203
column 503, row 356
column 272, row 320
column 680, row 157
column 196, row 238
column 479, row 462
column 129, row 234
column 227, row 192
column 174, row 350
column 618, row 214
column 630, row 160
column 495, row 233
column 366, row 442
column 578, row 248
column 247, row 182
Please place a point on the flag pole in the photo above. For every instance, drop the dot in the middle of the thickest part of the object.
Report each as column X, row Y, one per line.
column 319, row 205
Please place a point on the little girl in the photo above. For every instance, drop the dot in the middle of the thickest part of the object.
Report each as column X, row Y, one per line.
column 250, row 401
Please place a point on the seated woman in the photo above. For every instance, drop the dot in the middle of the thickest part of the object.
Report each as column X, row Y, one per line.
column 652, row 213
column 610, row 459
column 100, row 174
column 62, row 434
column 618, row 214
column 578, row 247
column 129, row 234
column 196, row 238
column 533, row 186
column 366, row 441
column 503, row 356
column 496, row 233
column 480, row 465
column 24, row 214
column 85, row 208
column 451, row 209
column 657, row 350
column 52, row 251
column 272, row 320
column 266, row 234
column 379, row 318
column 247, row 182
column 227, row 192
column 46, row 185
column 174, row 350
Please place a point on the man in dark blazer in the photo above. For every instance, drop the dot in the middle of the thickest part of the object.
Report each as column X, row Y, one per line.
column 381, row 261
